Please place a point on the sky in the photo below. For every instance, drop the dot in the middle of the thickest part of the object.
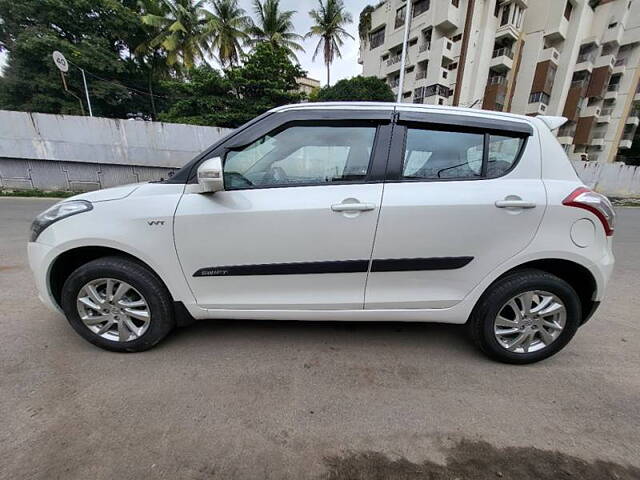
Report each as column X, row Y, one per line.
column 345, row 67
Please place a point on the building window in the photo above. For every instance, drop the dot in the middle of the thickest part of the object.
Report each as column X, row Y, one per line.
column 505, row 15
column 452, row 66
column 376, row 38
column 612, row 25
column 455, row 3
column 568, row 8
column 540, row 97
column 496, row 9
column 421, row 6
column 551, row 75
column 401, row 15
column 457, row 38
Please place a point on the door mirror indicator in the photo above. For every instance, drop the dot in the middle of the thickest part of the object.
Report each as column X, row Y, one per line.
column 210, row 175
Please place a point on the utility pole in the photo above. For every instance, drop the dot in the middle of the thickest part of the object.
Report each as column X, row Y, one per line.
column 403, row 60
column 86, row 91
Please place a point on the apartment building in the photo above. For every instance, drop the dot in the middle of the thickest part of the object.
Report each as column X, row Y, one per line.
column 574, row 58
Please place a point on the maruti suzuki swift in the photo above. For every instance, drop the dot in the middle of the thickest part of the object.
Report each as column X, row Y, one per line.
column 342, row 211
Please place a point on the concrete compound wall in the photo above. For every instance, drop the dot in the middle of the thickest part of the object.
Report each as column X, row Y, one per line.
column 612, row 179
column 62, row 152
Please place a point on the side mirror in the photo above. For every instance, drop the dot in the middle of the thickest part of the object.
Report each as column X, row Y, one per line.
column 210, row 176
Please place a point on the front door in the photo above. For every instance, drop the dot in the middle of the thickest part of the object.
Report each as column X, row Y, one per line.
column 294, row 227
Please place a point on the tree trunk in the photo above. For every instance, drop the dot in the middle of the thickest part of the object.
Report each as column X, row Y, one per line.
column 328, row 75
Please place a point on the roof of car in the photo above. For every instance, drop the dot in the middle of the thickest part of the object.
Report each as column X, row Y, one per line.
column 438, row 113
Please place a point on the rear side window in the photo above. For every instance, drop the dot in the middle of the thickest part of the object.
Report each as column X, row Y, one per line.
column 439, row 154
column 433, row 154
column 503, row 152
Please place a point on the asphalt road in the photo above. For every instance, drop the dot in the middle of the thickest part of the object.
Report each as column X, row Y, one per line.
column 310, row 400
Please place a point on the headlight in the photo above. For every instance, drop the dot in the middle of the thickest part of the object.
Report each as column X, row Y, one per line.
column 57, row 212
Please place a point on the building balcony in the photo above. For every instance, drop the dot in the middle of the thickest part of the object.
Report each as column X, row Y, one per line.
column 508, row 30
column 536, row 108
column 614, row 34
column 566, row 134
column 597, row 140
column 442, row 49
column 592, row 111
column 605, row 115
column 393, row 60
column 501, row 60
column 446, row 16
column 612, row 92
column 605, row 61
column 633, row 118
column 557, row 26
column 585, row 62
column 497, row 80
column 620, row 65
column 549, row 54
column 626, row 142
column 421, row 75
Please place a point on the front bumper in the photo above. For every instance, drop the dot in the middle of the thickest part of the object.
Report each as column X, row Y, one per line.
column 40, row 259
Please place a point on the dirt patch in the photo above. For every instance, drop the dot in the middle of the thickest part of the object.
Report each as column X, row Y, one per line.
column 469, row 460
column 6, row 268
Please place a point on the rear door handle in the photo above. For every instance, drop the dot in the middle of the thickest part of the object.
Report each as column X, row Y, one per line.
column 353, row 207
column 515, row 204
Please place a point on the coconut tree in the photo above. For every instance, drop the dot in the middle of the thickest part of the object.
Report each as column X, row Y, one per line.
column 182, row 31
column 275, row 27
column 228, row 27
column 330, row 20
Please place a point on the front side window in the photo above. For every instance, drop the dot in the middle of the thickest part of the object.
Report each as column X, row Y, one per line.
column 434, row 154
column 401, row 14
column 301, row 155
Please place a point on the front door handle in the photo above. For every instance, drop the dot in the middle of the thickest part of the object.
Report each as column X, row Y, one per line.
column 515, row 204
column 353, row 207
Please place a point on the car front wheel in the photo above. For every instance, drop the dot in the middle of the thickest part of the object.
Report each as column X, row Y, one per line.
column 118, row 304
column 526, row 317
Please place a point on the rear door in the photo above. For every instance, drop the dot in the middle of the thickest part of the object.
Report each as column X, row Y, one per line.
column 294, row 227
column 463, row 195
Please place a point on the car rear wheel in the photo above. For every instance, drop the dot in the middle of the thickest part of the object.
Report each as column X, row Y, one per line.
column 118, row 304
column 526, row 317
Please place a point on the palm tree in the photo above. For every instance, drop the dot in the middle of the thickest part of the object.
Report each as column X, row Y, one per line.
column 275, row 26
column 330, row 20
column 181, row 31
column 228, row 28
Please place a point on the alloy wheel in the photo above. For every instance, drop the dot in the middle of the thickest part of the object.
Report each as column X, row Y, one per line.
column 530, row 321
column 113, row 309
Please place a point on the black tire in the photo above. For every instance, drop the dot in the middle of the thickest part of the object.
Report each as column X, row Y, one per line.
column 481, row 323
column 139, row 277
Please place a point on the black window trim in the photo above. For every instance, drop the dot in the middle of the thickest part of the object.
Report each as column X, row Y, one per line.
column 271, row 121
column 399, row 142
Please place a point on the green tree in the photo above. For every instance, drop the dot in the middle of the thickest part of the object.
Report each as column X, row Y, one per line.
column 275, row 27
column 228, row 29
column 183, row 31
column 356, row 89
column 97, row 35
column 267, row 79
column 330, row 20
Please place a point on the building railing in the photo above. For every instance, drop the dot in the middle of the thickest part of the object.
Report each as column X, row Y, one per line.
column 613, row 88
column 421, row 74
column 393, row 60
column 394, row 83
column 424, row 47
column 579, row 83
column 606, row 112
column 503, row 51
column 497, row 80
column 567, row 131
column 586, row 57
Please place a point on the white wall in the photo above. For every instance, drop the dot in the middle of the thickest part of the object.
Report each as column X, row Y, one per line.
column 612, row 179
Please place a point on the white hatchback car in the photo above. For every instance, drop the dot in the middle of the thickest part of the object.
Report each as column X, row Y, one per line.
column 353, row 212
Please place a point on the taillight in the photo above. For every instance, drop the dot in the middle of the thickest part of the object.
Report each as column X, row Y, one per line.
column 597, row 204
